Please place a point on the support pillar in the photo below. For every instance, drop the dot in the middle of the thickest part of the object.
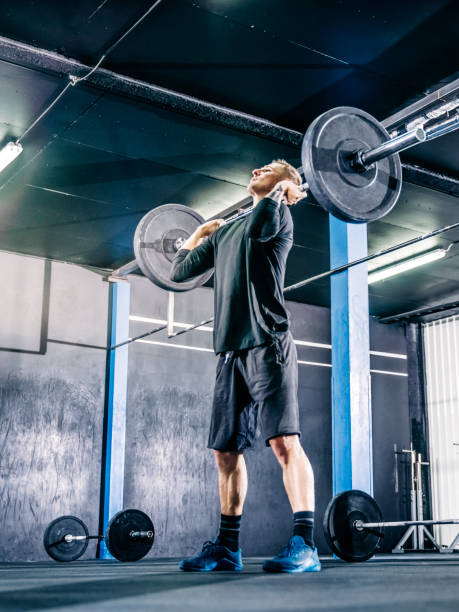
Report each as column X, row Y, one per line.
column 351, row 391
column 113, row 449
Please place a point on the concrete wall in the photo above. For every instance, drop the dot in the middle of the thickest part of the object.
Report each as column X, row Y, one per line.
column 51, row 399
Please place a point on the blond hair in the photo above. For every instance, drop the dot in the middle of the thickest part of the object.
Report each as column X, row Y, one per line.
column 290, row 170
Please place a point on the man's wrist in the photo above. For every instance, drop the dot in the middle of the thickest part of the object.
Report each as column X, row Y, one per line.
column 277, row 194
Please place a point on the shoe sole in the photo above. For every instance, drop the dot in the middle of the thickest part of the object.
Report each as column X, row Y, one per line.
column 296, row 570
column 225, row 566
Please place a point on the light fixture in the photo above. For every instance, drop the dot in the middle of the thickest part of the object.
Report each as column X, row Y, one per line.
column 9, row 153
column 406, row 264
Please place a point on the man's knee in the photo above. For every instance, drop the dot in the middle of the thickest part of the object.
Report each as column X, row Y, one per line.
column 284, row 447
column 226, row 460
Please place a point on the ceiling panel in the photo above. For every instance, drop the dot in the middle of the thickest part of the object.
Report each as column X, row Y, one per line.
column 98, row 161
column 82, row 30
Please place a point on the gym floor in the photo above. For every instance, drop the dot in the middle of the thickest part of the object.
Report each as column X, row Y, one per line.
column 387, row 582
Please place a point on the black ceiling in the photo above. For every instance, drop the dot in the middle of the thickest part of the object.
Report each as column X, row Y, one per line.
column 100, row 159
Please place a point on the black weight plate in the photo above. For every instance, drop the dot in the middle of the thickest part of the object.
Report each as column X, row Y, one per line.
column 343, row 539
column 356, row 197
column 157, row 239
column 118, row 539
column 55, row 544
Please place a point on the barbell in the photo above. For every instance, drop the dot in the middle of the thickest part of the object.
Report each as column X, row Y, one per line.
column 351, row 167
column 129, row 536
column 353, row 525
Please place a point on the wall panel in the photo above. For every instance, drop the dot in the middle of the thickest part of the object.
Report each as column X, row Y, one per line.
column 51, row 409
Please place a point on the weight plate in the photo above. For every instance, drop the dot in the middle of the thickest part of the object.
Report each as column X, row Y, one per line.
column 340, row 533
column 54, row 539
column 158, row 237
column 329, row 142
column 118, row 537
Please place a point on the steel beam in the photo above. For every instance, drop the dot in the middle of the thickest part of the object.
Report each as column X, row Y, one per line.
column 28, row 56
column 113, row 451
column 351, row 391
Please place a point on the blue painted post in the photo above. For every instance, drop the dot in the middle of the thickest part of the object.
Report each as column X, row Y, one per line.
column 351, row 400
column 115, row 407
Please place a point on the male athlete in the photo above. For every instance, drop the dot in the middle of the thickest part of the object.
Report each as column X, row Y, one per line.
column 257, row 372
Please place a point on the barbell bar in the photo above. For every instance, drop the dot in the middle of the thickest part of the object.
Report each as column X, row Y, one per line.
column 129, row 536
column 360, row 526
column 362, row 160
column 353, row 525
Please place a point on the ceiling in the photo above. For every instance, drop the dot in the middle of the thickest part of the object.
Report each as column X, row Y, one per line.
column 112, row 148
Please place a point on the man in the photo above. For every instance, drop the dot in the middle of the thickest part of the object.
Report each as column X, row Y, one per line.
column 256, row 377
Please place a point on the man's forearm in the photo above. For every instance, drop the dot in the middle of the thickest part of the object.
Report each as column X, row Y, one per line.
column 193, row 241
column 277, row 194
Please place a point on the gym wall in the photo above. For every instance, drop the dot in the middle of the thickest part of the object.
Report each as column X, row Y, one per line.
column 52, row 383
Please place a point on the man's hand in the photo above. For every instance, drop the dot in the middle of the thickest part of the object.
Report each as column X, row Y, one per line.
column 287, row 192
column 208, row 228
column 197, row 237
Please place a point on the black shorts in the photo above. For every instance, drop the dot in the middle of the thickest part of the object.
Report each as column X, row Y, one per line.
column 255, row 386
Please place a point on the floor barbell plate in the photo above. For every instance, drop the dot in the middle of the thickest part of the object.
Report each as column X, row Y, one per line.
column 55, row 544
column 118, row 539
column 329, row 142
column 343, row 539
column 158, row 237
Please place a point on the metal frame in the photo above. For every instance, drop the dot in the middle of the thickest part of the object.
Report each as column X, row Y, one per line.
column 429, row 102
column 421, row 312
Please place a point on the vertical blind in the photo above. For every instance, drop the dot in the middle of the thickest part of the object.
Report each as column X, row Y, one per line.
column 441, row 348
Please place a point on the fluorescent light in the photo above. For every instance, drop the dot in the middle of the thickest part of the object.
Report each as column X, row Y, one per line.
column 407, row 264
column 9, row 154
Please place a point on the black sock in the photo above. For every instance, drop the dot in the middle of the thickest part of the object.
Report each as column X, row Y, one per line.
column 303, row 525
column 229, row 531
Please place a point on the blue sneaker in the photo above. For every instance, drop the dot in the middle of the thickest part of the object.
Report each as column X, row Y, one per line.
column 214, row 557
column 295, row 557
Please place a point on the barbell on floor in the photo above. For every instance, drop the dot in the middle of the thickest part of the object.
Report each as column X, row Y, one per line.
column 353, row 525
column 129, row 536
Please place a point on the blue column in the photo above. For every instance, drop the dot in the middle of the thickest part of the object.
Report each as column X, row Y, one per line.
column 351, row 400
column 115, row 407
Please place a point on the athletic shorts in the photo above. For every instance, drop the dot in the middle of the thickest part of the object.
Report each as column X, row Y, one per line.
column 255, row 387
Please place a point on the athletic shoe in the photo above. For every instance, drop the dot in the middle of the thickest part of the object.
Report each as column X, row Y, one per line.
column 295, row 557
column 214, row 557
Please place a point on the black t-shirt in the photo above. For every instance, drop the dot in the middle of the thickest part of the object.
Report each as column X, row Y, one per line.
column 249, row 256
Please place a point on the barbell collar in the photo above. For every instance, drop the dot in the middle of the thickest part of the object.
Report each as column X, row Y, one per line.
column 364, row 159
column 72, row 538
